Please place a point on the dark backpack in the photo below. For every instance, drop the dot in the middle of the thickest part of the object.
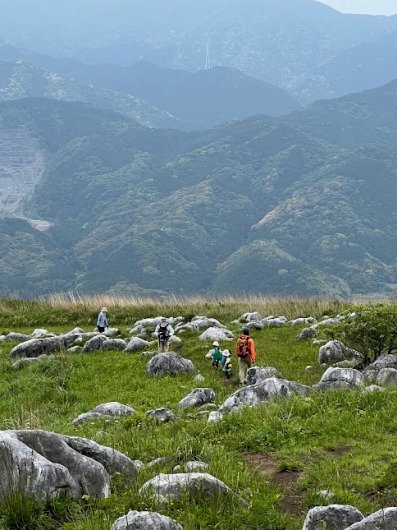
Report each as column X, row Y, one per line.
column 163, row 332
column 242, row 347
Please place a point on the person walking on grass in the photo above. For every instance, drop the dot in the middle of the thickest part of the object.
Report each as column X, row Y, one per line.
column 226, row 364
column 163, row 332
column 245, row 351
column 216, row 355
column 102, row 322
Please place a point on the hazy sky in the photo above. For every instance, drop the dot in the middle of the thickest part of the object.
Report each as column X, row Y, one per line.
column 370, row 7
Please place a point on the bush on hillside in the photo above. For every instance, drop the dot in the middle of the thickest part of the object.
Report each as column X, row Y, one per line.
column 370, row 329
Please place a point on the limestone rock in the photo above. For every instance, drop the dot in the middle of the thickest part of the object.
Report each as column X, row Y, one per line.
column 103, row 411
column 332, row 517
column 197, row 398
column 385, row 519
column 114, row 345
column 162, row 415
column 335, row 378
column 36, row 347
column 94, row 344
column 262, row 392
column 137, row 344
column 169, row 363
column 44, row 464
column 218, row 334
column 135, row 520
column 257, row 374
column 166, row 488
column 334, row 351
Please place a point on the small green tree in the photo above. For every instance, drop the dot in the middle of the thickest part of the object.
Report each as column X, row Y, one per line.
column 369, row 329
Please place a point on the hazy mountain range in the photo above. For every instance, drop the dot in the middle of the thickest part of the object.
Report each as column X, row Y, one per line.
column 302, row 204
column 113, row 179
column 154, row 96
column 281, row 42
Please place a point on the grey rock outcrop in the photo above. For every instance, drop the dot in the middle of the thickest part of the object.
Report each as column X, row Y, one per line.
column 306, row 333
column 137, row 344
column 36, row 347
column 387, row 377
column 201, row 322
column 195, row 466
column 385, row 519
column 329, row 321
column 114, row 408
column 105, row 410
column 41, row 333
column 384, row 361
column 197, row 398
column 111, row 332
column 275, row 322
column 75, row 349
column 175, row 341
column 152, row 322
column 166, row 488
column 162, row 415
column 257, row 374
column 36, row 477
column 302, row 320
column 215, row 416
column 249, row 317
column 17, row 337
column 94, row 344
column 44, row 464
column 135, row 520
column 85, row 335
column 49, row 443
column 88, row 416
column 262, row 392
column 335, row 351
column 219, row 334
column 114, row 345
column 332, row 517
column 169, row 363
column 26, row 361
column 373, row 388
column 255, row 324
column 336, row 378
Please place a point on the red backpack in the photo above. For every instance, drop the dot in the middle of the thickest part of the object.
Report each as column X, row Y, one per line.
column 242, row 347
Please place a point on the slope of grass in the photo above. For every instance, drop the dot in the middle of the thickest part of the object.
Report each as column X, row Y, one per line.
column 342, row 442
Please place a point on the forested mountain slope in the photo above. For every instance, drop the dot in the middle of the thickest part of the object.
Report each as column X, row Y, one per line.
column 302, row 204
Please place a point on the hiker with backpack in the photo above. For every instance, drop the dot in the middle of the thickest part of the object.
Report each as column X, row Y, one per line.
column 163, row 332
column 102, row 321
column 245, row 351
column 216, row 355
column 226, row 364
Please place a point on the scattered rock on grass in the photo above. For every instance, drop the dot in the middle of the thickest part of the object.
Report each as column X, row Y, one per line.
column 135, row 520
column 169, row 363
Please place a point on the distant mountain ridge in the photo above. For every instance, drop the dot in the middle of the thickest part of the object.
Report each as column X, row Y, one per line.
column 154, row 96
column 281, row 42
column 19, row 79
column 364, row 66
column 297, row 205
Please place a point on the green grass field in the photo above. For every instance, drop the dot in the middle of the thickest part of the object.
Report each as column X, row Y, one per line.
column 279, row 456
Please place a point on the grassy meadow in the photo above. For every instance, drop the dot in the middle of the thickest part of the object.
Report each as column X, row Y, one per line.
column 283, row 457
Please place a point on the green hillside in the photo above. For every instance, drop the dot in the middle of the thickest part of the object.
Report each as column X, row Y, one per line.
column 296, row 205
column 283, row 457
column 20, row 79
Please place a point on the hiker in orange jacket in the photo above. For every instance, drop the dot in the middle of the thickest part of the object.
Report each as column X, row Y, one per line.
column 245, row 351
